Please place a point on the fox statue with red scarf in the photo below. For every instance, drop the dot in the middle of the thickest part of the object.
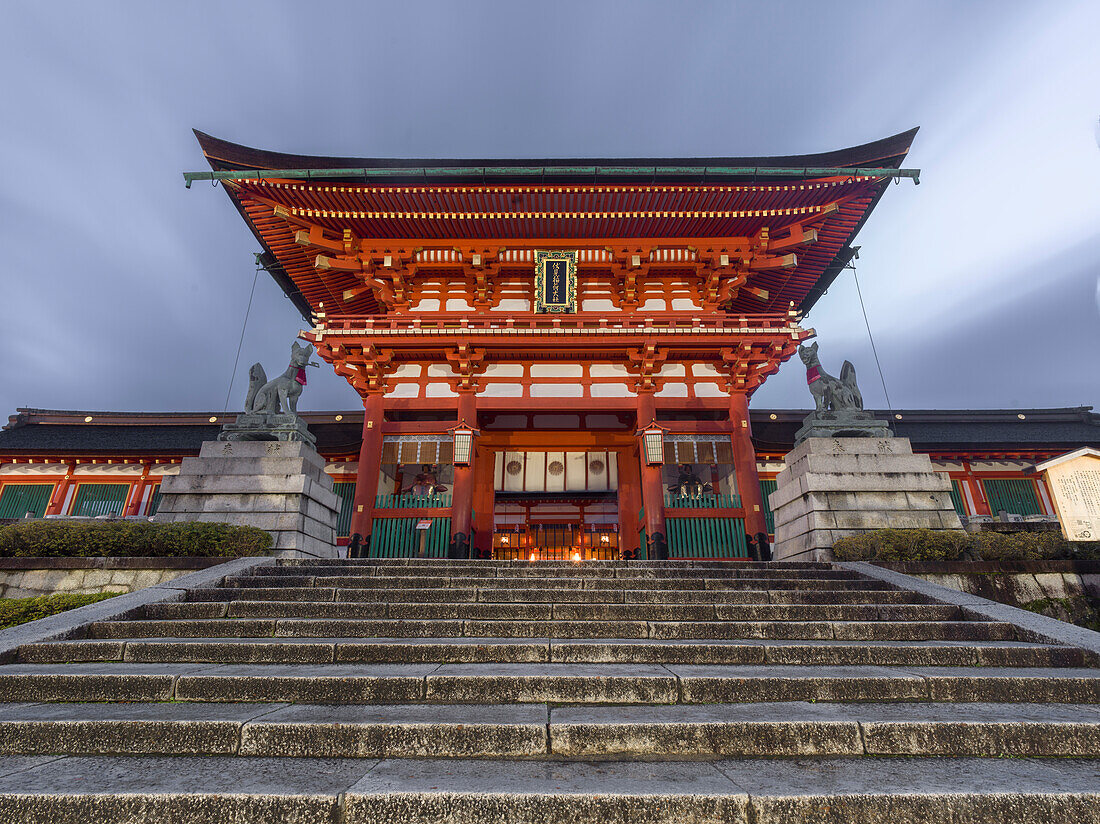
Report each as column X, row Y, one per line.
column 830, row 394
column 279, row 395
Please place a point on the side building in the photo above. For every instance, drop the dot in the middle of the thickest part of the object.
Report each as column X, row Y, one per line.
column 87, row 463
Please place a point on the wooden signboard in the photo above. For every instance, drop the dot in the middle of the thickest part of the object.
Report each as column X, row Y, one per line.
column 555, row 281
column 1074, row 484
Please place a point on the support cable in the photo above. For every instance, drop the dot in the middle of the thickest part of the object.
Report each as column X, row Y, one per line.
column 874, row 349
column 244, row 326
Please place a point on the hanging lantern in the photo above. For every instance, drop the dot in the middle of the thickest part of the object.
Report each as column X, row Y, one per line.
column 463, row 444
column 653, row 441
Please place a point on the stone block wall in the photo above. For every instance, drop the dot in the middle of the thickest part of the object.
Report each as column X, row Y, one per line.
column 31, row 577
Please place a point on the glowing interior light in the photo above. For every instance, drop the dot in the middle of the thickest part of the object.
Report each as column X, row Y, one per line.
column 576, row 556
column 534, row 556
column 504, row 539
column 605, row 539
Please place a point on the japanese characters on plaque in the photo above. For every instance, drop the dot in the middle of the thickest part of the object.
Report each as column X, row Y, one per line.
column 555, row 281
column 1074, row 483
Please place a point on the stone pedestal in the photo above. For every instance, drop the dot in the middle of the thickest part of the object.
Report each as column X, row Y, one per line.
column 835, row 487
column 277, row 486
column 267, row 426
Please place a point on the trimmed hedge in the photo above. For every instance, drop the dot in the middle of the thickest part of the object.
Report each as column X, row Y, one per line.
column 15, row 611
column 953, row 545
column 120, row 539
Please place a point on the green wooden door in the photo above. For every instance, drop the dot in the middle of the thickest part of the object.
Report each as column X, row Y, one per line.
column 346, row 491
column 766, row 489
column 1014, row 495
column 957, row 499
column 16, row 500
column 100, row 499
column 154, row 501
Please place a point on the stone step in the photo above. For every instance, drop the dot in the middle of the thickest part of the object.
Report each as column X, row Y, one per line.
column 544, row 612
column 556, row 683
column 545, row 650
column 667, row 630
column 903, row 790
column 577, row 571
column 575, row 596
column 549, row 584
column 541, row 731
column 612, row 596
column 446, row 564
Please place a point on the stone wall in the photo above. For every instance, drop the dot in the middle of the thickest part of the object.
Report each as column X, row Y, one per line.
column 30, row 577
column 1066, row 590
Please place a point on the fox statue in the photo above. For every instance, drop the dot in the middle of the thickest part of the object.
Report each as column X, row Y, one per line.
column 830, row 394
column 281, row 394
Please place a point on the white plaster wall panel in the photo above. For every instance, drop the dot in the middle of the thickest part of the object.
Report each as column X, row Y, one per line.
column 557, row 390
column 613, row 471
column 672, row 390
column 426, row 305
column 513, row 305
column 672, row 370
column 107, row 469
column 504, row 370
column 513, row 471
column 408, row 370
column 34, row 469
column 575, row 475
column 557, row 370
column 685, row 304
column 608, row 370
column 404, row 390
column 498, row 471
column 555, row 479
column 597, row 471
column 342, row 468
column 611, row 390
column 704, row 369
column 458, row 305
column 654, row 305
column 501, row 390
column 948, row 466
column 708, row 390
column 998, row 466
column 534, row 472
column 598, row 305
column 439, row 390
column 165, row 471
column 440, row 370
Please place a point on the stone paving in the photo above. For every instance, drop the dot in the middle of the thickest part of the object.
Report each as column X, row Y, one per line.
column 418, row 690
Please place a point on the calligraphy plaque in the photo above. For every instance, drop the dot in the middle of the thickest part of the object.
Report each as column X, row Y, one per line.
column 555, row 281
column 1074, row 483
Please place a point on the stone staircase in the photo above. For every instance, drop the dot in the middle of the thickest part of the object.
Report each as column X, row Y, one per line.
column 478, row 691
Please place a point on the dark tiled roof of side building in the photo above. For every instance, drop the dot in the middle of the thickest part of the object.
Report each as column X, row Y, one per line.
column 46, row 431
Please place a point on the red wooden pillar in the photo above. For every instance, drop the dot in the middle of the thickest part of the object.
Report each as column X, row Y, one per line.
column 61, row 492
column 630, row 498
column 977, row 493
column 653, row 498
column 370, row 463
column 137, row 493
column 484, row 501
column 744, row 464
column 463, row 499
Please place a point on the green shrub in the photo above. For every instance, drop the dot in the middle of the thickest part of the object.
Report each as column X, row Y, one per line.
column 903, row 545
column 952, row 545
column 55, row 537
column 15, row 611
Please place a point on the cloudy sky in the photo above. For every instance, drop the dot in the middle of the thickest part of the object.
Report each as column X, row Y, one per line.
column 121, row 290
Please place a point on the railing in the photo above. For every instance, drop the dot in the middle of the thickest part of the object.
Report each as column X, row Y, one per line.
column 399, row 538
column 706, row 538
column 556, row 542
column 406, row 500
column 706, row 500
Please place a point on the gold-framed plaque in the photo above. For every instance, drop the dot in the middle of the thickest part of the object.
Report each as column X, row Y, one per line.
column 555, row 281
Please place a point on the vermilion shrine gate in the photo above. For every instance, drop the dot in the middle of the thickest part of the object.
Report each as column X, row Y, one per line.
column 667, row 291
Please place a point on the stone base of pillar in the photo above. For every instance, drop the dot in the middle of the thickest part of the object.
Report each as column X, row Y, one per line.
column 835, row 487
column 278, row 486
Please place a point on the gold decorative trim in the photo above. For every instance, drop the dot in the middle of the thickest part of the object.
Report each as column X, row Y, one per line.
column 555, row 281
